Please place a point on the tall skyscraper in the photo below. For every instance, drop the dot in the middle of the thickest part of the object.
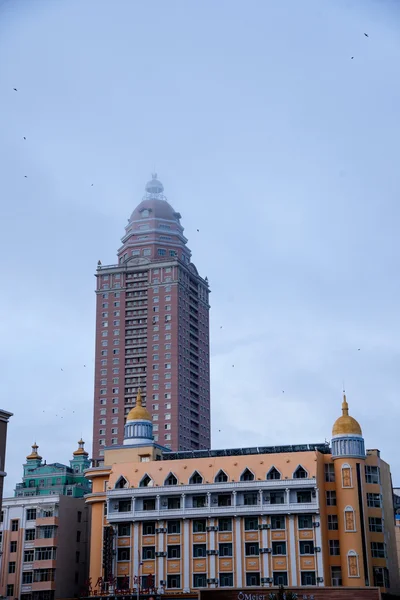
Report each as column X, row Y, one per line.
column 152, row 333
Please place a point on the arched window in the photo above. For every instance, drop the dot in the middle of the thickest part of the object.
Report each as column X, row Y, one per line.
column 349, row 519
column 196, row 478
column 171, row 480
column 121, row 483
column 146, row 481
column 352, row 563
column 346, row 476
column 247, row 475
column 273, row 473
column 300, row 473
column 221, row 477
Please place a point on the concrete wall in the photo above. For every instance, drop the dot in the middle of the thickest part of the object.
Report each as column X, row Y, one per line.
column 72, row 568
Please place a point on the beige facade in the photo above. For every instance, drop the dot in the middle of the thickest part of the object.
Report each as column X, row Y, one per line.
column 293, row 515
column 44, row 545
column 4, row 416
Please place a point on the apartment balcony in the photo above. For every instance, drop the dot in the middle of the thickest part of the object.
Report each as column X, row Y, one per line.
column 40, row 542
column 45, row 564
column 43, row 586
column 46, row 521
column 26, row 588
column 27, row 566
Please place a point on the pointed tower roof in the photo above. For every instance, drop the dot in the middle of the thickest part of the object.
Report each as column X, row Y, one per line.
column 139, row 412
column 81, row 450
column 34, row 454
column 346, row 425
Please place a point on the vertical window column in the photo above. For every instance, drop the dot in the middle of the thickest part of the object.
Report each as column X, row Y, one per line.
column 211, row 546
column 264, row 544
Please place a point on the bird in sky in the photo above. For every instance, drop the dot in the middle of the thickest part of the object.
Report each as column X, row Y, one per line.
column 233, row 365
column 24, row 138
column 15, row 89
column 220, row 326
column 366, row 34
column 283, row 391
column 26, row 176
column 198, row 230
column 352, row 57
column 62, row 369
column 359, row 349
column 84, row 365
column 91, row 185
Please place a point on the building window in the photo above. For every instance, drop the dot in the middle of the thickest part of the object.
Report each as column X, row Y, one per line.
column 278, row 522
column 336, row 576
column 333, row 523
column 226, row 580
column 300, row 473
column 372, row 474
column 279, row 548
column 171, row 480
column 308, row 578
column 30, row 535
column 225, row 550
column 329, row 472
column 149, row 528
column 247, row 475
column 273, row 473
column 305, row 521
column 306, row 547
column 225, row 524
column 252, row 579
column 331, row 498
column 381, row 577
column 124, row 554
column 221, row 477
column 11, row 567
column 334, row 548
column 173, row 551
column 174, row 527
column 250, row 523
column 10, row 589
column 375, row 524
column 14, row 525
column 252, row 549
column 28, row 556
column 378, row 550
column 280, row 578
column 173, row 581
column 352, row 564
column 27, row 577
column 346, row 476
column 199, row 526
column 199, row 580
column 349, row 520
column 13, row 546
column 374, row 501
column 199, row 550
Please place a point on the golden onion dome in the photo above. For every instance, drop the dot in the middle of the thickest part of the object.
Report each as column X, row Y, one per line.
column 346, row 425
column 34, row 454
column 139, row 412
column 81, row 450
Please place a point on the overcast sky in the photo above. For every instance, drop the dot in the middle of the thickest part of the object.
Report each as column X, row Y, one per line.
column 270, row 139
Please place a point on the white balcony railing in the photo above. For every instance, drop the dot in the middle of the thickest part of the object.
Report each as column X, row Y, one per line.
column 218, row 511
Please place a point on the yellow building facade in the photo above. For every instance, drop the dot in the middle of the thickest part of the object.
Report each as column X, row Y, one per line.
column 304, row 515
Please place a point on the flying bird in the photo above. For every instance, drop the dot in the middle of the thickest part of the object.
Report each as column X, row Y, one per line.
column 359, row 349
column 15, row 89
column 366, row 34
column 220, row 326
column 283, row 391
column 233, row 365
column 84, row 365
column 91, row 185
column 62, row 369
column 352, row 57
column 198, row 230
column 24, row 138
column 26, row 176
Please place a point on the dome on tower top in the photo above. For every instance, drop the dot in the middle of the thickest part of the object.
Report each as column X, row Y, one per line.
column 154, row 186
column 139, row 412
column 346, row 425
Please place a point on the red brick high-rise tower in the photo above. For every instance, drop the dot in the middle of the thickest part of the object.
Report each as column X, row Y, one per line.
column 152, row 332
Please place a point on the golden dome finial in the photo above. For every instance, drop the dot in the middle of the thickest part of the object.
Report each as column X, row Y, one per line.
column 139, row 412
column 34, row 454
column 81, row 450
column 345, row 406
column 346, row 425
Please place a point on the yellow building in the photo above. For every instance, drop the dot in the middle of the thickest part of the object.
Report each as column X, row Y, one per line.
column 304, row 515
